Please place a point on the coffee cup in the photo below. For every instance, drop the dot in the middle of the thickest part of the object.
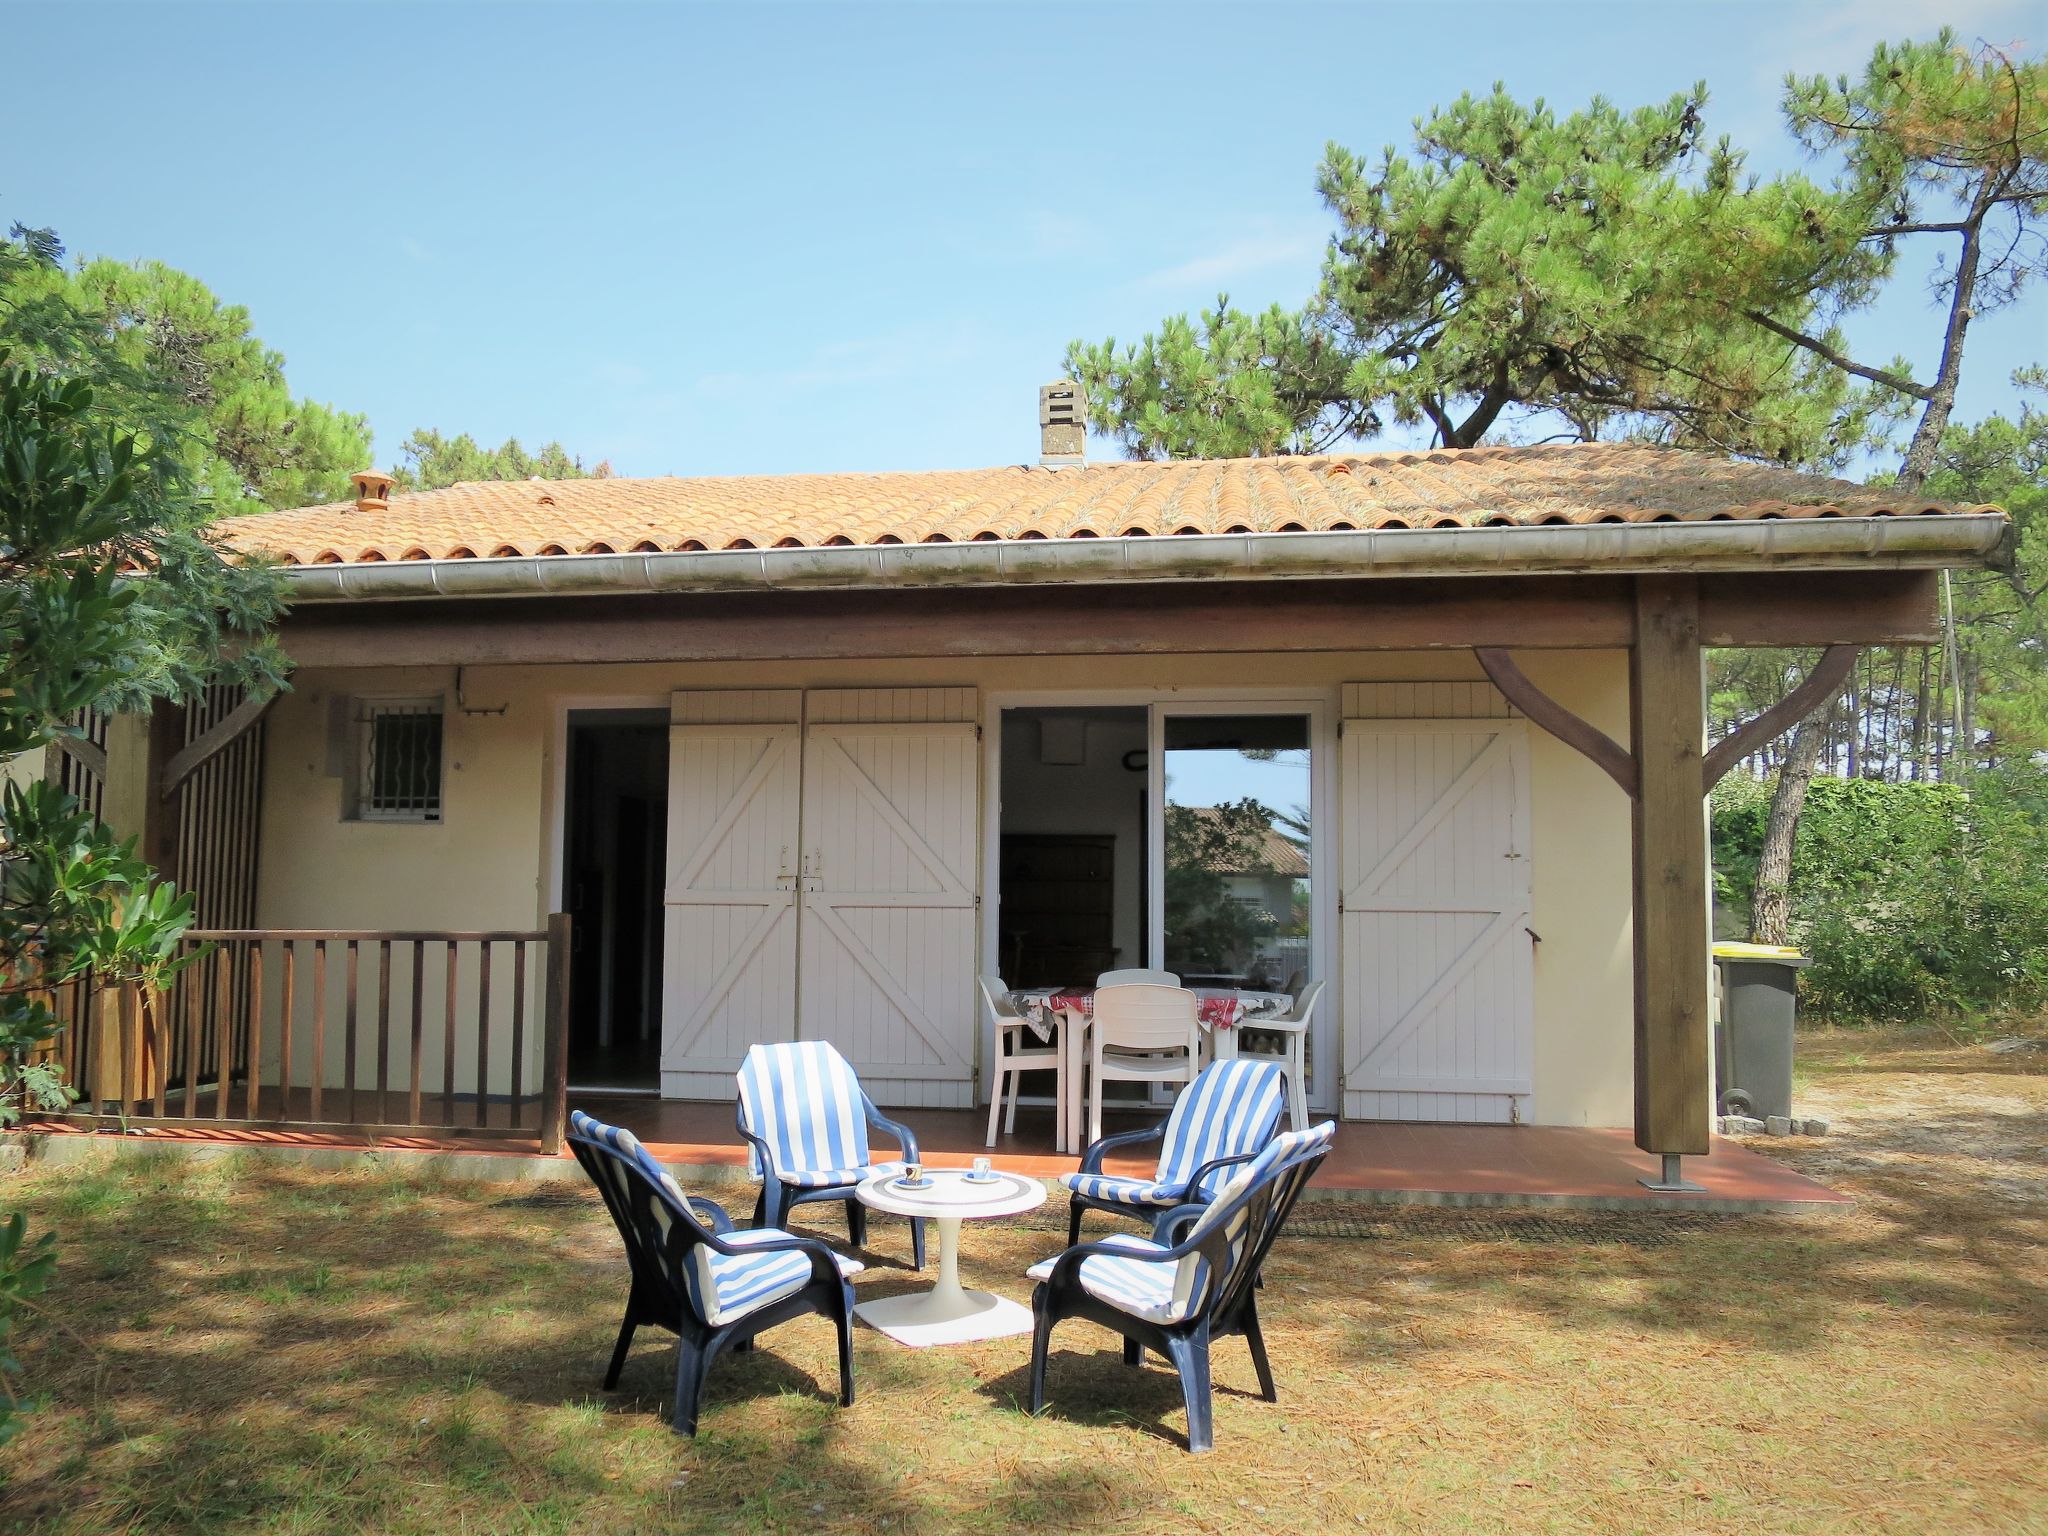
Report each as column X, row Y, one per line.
column 913, row 1173
column 981, row 1169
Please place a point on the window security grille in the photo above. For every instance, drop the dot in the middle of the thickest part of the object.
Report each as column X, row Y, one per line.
column 401, row 762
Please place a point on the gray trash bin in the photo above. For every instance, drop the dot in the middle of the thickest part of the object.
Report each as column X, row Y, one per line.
column 1759, row 1002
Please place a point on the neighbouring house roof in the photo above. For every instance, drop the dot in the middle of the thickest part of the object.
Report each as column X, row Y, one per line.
column 1275, row 854
column 1557, row 484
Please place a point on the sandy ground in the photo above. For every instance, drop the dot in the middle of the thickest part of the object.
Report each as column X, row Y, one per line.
column 1925, row 1109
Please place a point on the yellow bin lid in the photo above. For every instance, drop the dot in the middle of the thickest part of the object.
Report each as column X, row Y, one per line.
column 1731, row 951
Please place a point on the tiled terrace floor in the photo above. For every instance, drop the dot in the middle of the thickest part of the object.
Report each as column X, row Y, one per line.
column 1372, row 1160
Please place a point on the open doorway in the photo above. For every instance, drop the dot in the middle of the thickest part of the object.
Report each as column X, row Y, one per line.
column 1072, row 889
column 617, row 828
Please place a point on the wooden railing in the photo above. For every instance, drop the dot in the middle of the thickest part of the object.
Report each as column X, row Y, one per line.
column 376, row 1033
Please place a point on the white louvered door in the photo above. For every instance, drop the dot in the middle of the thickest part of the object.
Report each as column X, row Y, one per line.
column 891, row 833
column 1437, row 970
column 729, row 973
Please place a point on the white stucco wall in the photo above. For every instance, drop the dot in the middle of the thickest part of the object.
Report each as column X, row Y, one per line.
column 22, row 768
column 490, row 863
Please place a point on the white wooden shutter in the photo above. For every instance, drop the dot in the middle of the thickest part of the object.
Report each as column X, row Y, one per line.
column 891, row 796
column 1437, row 971
column 729, row 972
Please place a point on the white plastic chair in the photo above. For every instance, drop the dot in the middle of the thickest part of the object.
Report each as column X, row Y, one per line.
column 1017, row 1051
column 1137, row 978
column 1292, row 1027
column 1143, row 1033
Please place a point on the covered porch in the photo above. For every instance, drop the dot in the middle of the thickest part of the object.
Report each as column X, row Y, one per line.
column 1487, row 667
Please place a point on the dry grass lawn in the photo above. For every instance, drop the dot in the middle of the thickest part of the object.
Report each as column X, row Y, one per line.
column 247, row 1347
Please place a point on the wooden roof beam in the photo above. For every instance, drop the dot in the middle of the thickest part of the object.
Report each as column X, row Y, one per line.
column 217, row 738
column 1752, row 735
column 1581, row 735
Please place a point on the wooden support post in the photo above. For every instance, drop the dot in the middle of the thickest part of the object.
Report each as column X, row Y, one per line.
column 554, row 1050
column 1668, row 712
column 132, row 801
column 159, row 828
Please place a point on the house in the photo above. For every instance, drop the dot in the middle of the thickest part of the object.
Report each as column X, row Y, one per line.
column 780, row 747
column 1240, row 912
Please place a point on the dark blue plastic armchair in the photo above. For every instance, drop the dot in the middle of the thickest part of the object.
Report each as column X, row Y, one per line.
column 693, row 1274
column 1195, row 1279
column 1223, row 1119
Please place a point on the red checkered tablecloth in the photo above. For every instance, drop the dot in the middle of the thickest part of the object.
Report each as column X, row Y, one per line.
column 1218, row 1007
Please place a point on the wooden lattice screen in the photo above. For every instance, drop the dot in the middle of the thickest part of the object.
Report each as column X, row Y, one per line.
column 215, row 814
column 213, row 817
column 214, row 822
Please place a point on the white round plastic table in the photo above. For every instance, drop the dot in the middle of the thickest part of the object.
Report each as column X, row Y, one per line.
column 948, row 1313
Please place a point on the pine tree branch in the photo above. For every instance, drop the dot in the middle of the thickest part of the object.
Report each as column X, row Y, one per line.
column 1887, row 231
column 1897, row 381
column 1439, row 420
column 1485, row 413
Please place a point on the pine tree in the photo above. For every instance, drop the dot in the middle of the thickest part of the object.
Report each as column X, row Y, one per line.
column 1585, row 274
column 431, row 461
column 1935, row 142
column 168, row 362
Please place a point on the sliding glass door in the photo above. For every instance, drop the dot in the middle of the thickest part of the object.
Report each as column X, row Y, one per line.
column 1236, row 807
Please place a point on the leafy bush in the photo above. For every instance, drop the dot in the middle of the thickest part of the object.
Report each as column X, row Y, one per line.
column 1913, row 899
column 84, row 508
column 75, row 903
column 24, row 1271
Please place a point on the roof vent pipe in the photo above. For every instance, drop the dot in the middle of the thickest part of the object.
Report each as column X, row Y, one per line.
column 373, row 490
column 1062, row 425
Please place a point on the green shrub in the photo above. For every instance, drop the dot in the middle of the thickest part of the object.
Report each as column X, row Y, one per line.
column 1913, row 899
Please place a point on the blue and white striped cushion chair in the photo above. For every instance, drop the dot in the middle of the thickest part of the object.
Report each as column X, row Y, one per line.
column 1174, row 1293
column 693, row 1274
column 806, row 1121
column 1221, row 1119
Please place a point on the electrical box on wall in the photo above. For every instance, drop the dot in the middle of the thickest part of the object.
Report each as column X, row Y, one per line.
column 1063, row 741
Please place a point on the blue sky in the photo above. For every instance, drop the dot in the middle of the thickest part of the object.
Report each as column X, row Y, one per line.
column 705, row 240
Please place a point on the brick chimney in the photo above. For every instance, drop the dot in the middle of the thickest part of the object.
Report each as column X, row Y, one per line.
column 373, row 490
column 1062, row 425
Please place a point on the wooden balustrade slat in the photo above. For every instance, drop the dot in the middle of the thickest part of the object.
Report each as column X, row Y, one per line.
column 130, row 1047
column 348, row 1047
column 483, row 1030
column 185, row 1027
column 383, row 1028
column 71, row 1047
column 152, row 1025
column 287, row 1008
column 518, row 1026
column 412, row 1101
column 223, row 1032
column 318, row 1073
column 448, row 1044
column 114, row 1079
column 253, row 1013
column 554, row 1074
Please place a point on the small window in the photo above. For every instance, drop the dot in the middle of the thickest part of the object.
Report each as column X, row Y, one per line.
column 399, row 760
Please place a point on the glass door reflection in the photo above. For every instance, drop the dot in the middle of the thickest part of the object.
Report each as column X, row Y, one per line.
column 1235, row 838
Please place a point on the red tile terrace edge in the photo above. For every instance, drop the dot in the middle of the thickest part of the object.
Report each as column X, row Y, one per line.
column 1371, row 1161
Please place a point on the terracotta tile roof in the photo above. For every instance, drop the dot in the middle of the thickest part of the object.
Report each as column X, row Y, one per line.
column 1275, row 854
column 1558, row 483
